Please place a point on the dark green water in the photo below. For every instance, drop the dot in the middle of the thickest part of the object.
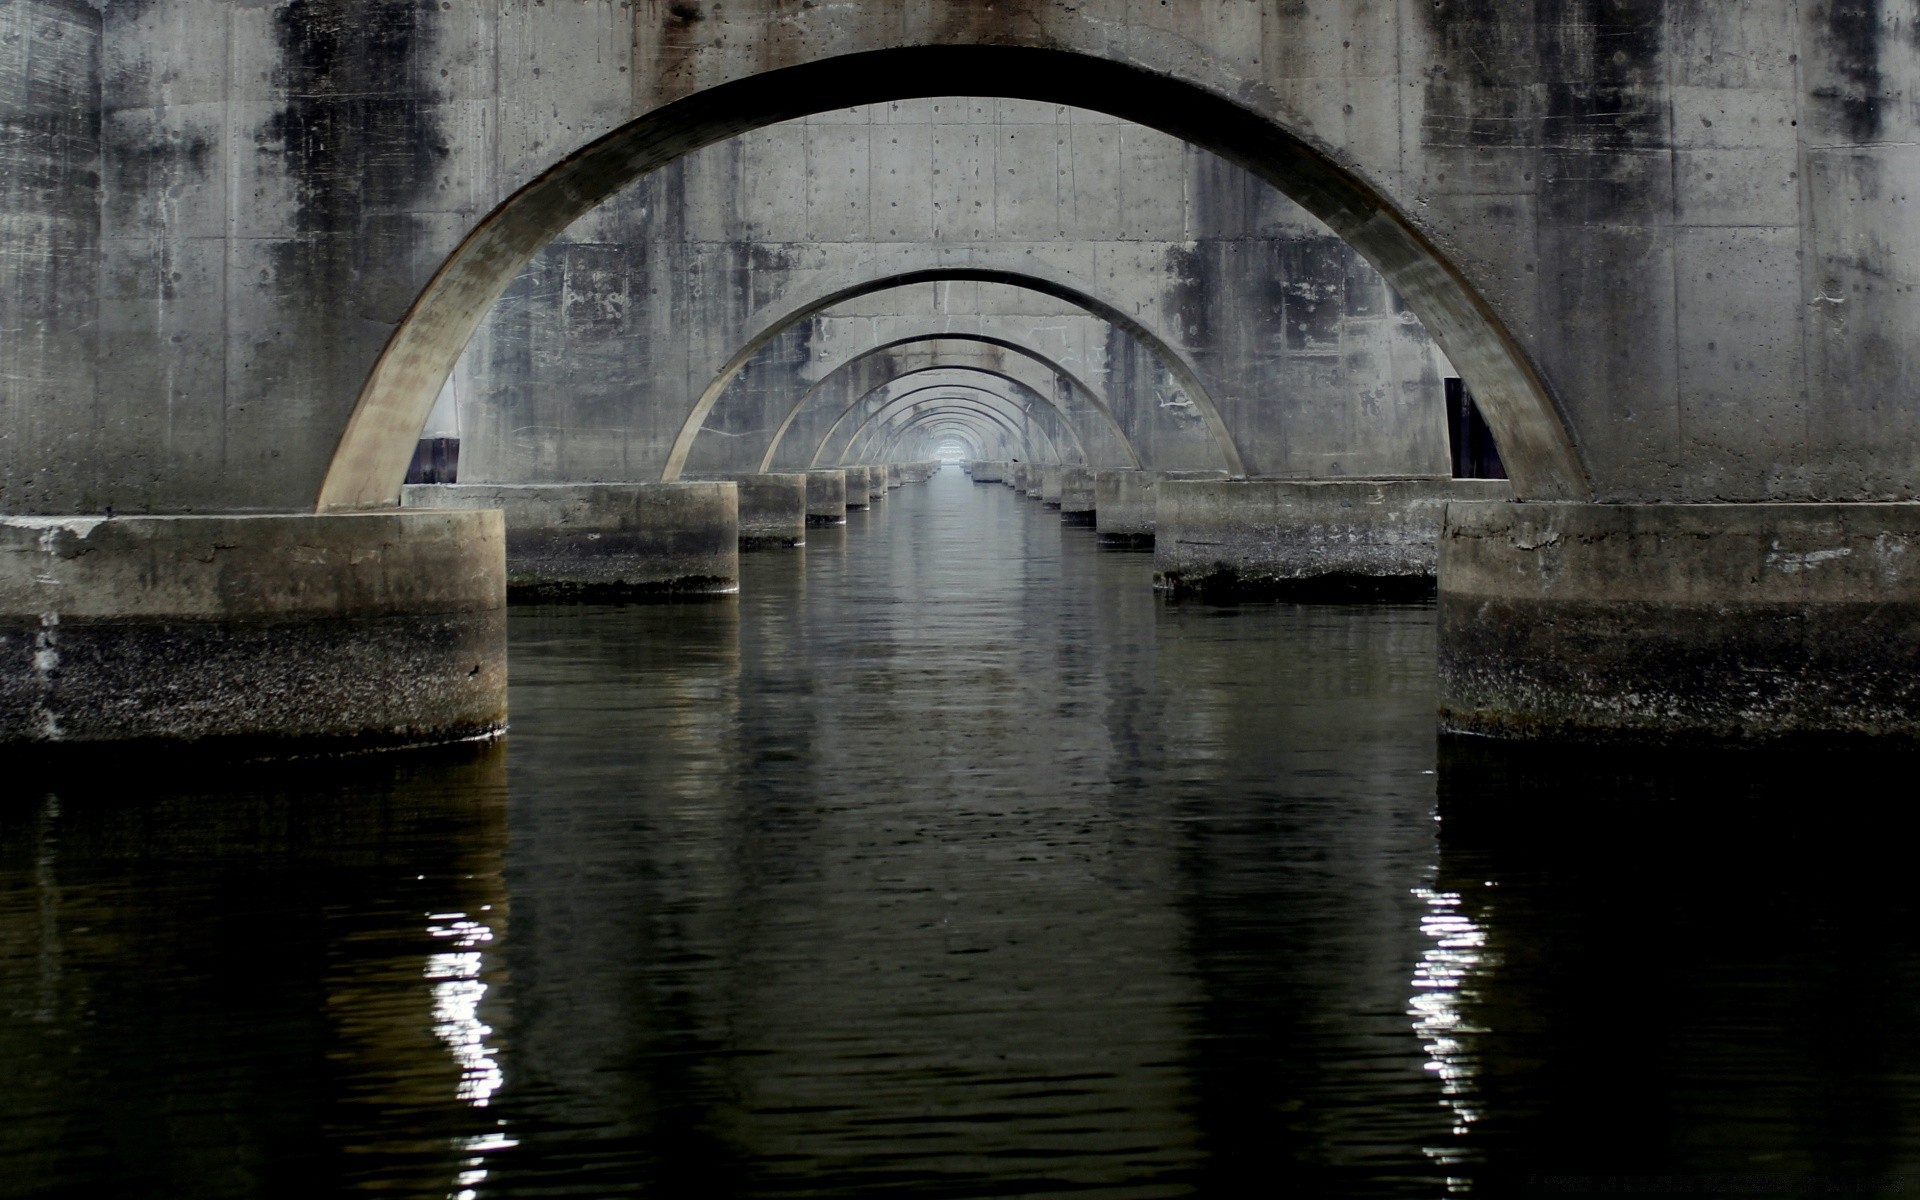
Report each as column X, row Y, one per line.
column 948, row 860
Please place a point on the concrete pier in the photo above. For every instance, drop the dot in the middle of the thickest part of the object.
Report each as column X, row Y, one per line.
column 827, row 497
column 988, row 472
column 1123, row 503
column 1076, row 496
column 1050, row 480
column 1287, row 536
column 588, row 540
column 1656, row 622
column 876, row 482
column 859, row 498
column 772, row 508
column 256, row 635
column 895, row 475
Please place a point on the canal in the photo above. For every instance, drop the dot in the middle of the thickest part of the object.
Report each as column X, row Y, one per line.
column 949, row 860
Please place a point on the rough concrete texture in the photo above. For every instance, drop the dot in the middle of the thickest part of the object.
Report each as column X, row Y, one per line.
column 1123, row 503
column 827, row 496
column 988, row 472
column 1668, row 621
column 1076, row 496
column 876, row 482
column 266, row 635
column 1298, row 536
column 1050, row 481
column 589, row 540
column 859, row 494
column 773, row 509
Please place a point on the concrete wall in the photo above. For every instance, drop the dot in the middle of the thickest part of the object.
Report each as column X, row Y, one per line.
column 1674, row 231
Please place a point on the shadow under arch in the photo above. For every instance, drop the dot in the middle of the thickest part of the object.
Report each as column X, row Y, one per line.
column 859, row 444
column 957, row 368
column 1052, row 445
column 1094, row 398
column 944, row 417
column 378, row 440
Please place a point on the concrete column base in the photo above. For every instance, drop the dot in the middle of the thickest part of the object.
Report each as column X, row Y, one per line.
column 259, row 636
column 591, row 540
column 1123, row 504
column 1305, row 537
column 1049, row 489
column 894, row 474
column 859, row 497
column 1660, row 622
column 827, row 497
column 876, row 482
column 772, row 508
column 1076, row 496
column 988, row 472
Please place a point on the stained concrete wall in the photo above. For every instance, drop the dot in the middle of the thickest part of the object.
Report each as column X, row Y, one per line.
column 592, row 362
column 1690, row 218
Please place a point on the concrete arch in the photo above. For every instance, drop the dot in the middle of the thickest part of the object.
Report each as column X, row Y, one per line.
column 989, row 371
column 947, row 417
column 1013, row 435
column 849, row 451
column 1155, row 344
column 925, row 429
column 1093, row 396
column 374, row 448
column 1049, row 415
column 885, row 438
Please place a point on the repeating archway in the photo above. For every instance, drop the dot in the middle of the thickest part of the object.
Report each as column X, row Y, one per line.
column 851, row 449
column 856, row 362
column 1049, row 417
column 949, row 417
column 1037, row 397
column 377, row 442
column 1013, row 436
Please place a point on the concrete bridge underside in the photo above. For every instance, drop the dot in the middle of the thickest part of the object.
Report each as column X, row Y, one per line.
column 1666, row 246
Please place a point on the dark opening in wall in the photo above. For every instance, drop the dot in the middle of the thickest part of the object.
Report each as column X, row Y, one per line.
column 435, row 460
column 1474, row 454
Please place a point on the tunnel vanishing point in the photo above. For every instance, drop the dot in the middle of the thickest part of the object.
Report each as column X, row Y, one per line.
column 686, row 276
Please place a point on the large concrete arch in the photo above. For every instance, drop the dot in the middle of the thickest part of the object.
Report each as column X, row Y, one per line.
column 1062, row 443
column 878, row 405
column 862, row 373
column 1051, row 285
column 1154, row 342
column 1181, row 97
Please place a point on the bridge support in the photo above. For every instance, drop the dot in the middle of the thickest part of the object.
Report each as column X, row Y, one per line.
column 1050, row 480
column 1123, row 503
column 827, row 497
column 268, row 635
column 578, row 540
column 1292, row 536
column 1655, row 622
column 772, row 508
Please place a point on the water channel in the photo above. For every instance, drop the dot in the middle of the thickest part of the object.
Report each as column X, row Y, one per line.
column 950, row 860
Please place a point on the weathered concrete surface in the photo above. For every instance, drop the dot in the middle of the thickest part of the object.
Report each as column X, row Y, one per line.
column 1123, row 503
column 772, row 508
column 1659, row 622
column 1050, row 480
column 265, row 635
column 1076, row 496
column 859, row 495
column 827, row 496
column 586, row 540
column 876, row 482
column 893, row 475
column 1301, row 536
column 988, row 472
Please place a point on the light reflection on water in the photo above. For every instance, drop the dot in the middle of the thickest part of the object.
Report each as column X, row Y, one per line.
column 948, row 860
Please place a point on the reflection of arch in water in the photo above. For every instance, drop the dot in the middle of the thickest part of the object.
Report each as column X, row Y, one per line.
column 378, row 440
column 868, row 360
column 989, row 379
column 1034, row 423
column 859, row 447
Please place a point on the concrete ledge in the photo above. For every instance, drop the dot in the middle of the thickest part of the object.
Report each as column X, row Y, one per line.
column 1742, row 622
column 253, row 635
column 1305, row 537
column 589, row 540
column 1123, row 503
column 772, row 508
column 827, row 497
column 1076, row 496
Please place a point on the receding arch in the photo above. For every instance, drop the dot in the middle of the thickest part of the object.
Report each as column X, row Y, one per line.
column 1012, row 434
column 1176, row 365
column 857, row 447
column 1052, row 444
column 377, row 442
column 1093, row 395
column 967, row 369
column 940, row 415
